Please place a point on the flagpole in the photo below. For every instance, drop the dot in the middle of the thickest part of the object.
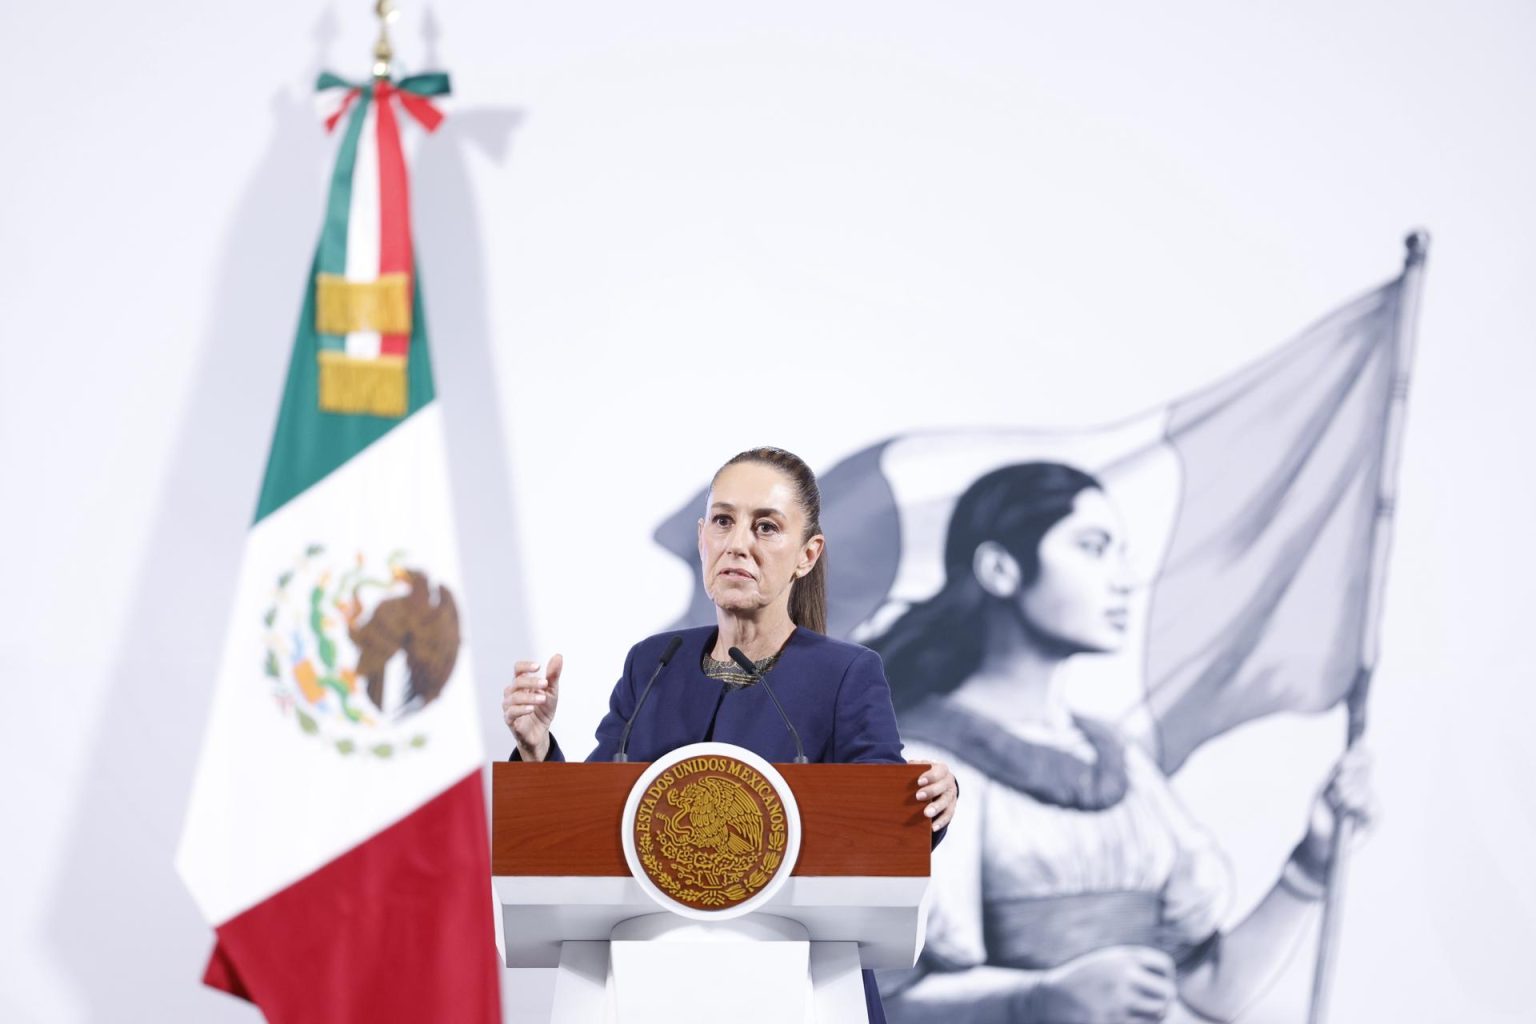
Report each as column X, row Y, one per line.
column 1417, row 250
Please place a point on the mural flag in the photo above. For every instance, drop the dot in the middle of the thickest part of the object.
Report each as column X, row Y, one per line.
column 336, row 837
column 1252, row 509
column 1266, row 593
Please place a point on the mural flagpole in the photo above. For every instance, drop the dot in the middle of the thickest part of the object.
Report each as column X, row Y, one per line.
column 1417, row 250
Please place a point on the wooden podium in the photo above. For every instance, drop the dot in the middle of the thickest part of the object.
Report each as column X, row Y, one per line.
column 854, row 899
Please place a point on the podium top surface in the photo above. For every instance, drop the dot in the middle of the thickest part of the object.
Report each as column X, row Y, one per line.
column 552, row 820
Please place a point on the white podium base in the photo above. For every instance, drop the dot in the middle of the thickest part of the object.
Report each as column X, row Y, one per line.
column 665, row 969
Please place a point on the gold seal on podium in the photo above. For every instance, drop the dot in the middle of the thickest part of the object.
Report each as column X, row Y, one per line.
column 710, row 828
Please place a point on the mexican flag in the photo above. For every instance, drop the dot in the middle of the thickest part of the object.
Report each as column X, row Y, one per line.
column 336, row 836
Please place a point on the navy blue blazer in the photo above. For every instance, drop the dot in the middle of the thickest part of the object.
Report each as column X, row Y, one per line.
column 834, row 692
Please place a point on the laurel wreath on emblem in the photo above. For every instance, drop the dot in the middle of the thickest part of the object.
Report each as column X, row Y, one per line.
column 352, row 651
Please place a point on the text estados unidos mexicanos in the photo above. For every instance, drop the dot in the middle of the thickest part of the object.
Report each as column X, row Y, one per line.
column 736, row 769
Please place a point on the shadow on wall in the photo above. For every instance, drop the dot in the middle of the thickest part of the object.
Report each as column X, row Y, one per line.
column 124, row 929
column 455, row 286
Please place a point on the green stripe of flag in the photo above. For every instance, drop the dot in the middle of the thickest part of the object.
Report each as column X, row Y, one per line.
column 338, row 207
column 331, row 258
column 308, row 443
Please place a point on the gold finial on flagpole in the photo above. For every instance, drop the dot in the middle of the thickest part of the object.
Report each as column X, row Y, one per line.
column 383, row 52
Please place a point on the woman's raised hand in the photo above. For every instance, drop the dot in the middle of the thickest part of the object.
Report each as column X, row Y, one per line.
column 528, row 706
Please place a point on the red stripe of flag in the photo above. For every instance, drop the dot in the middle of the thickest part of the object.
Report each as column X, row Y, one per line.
column 398, row 928
column 394, row 209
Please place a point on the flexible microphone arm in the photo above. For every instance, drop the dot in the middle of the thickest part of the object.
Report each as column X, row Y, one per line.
column 666, row 656
column 750, row 669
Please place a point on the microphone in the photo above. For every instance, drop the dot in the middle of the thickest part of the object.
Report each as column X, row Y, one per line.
column 666, row 656
column 750, row 669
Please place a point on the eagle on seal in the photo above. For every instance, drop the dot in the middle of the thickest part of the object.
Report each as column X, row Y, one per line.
column 717, row 814
column 422, row 624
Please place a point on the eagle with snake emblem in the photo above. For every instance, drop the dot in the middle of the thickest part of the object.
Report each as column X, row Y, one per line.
column 423, row 623
column 716, row 815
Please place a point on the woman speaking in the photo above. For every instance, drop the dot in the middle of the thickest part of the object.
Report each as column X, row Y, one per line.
column 761, row 554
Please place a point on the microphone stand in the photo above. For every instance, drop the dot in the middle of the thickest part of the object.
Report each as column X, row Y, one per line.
column 745, row 663
column 666, row 656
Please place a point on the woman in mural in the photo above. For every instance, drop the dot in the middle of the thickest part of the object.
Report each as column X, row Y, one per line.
column 1076, row 889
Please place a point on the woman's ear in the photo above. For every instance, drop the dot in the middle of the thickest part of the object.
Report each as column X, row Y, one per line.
column 996, row 570
column 810, row 555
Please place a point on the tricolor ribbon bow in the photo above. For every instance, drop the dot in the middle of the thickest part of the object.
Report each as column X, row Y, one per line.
column 365, row 271
column 336, row 96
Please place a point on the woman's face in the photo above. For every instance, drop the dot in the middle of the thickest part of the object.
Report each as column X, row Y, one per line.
column 1082, row 595
column 752, row 542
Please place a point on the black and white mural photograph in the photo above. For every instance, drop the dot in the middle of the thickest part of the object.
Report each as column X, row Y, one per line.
column 1165, row 372
column 1184, row 572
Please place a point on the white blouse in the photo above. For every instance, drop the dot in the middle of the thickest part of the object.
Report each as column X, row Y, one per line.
column 1005, row 848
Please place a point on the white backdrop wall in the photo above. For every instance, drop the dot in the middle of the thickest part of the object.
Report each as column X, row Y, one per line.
column 653, row 235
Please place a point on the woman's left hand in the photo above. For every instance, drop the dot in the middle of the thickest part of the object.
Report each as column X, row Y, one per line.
column 937, row 788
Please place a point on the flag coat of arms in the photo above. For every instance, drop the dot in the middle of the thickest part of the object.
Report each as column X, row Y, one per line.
column 336, row 835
